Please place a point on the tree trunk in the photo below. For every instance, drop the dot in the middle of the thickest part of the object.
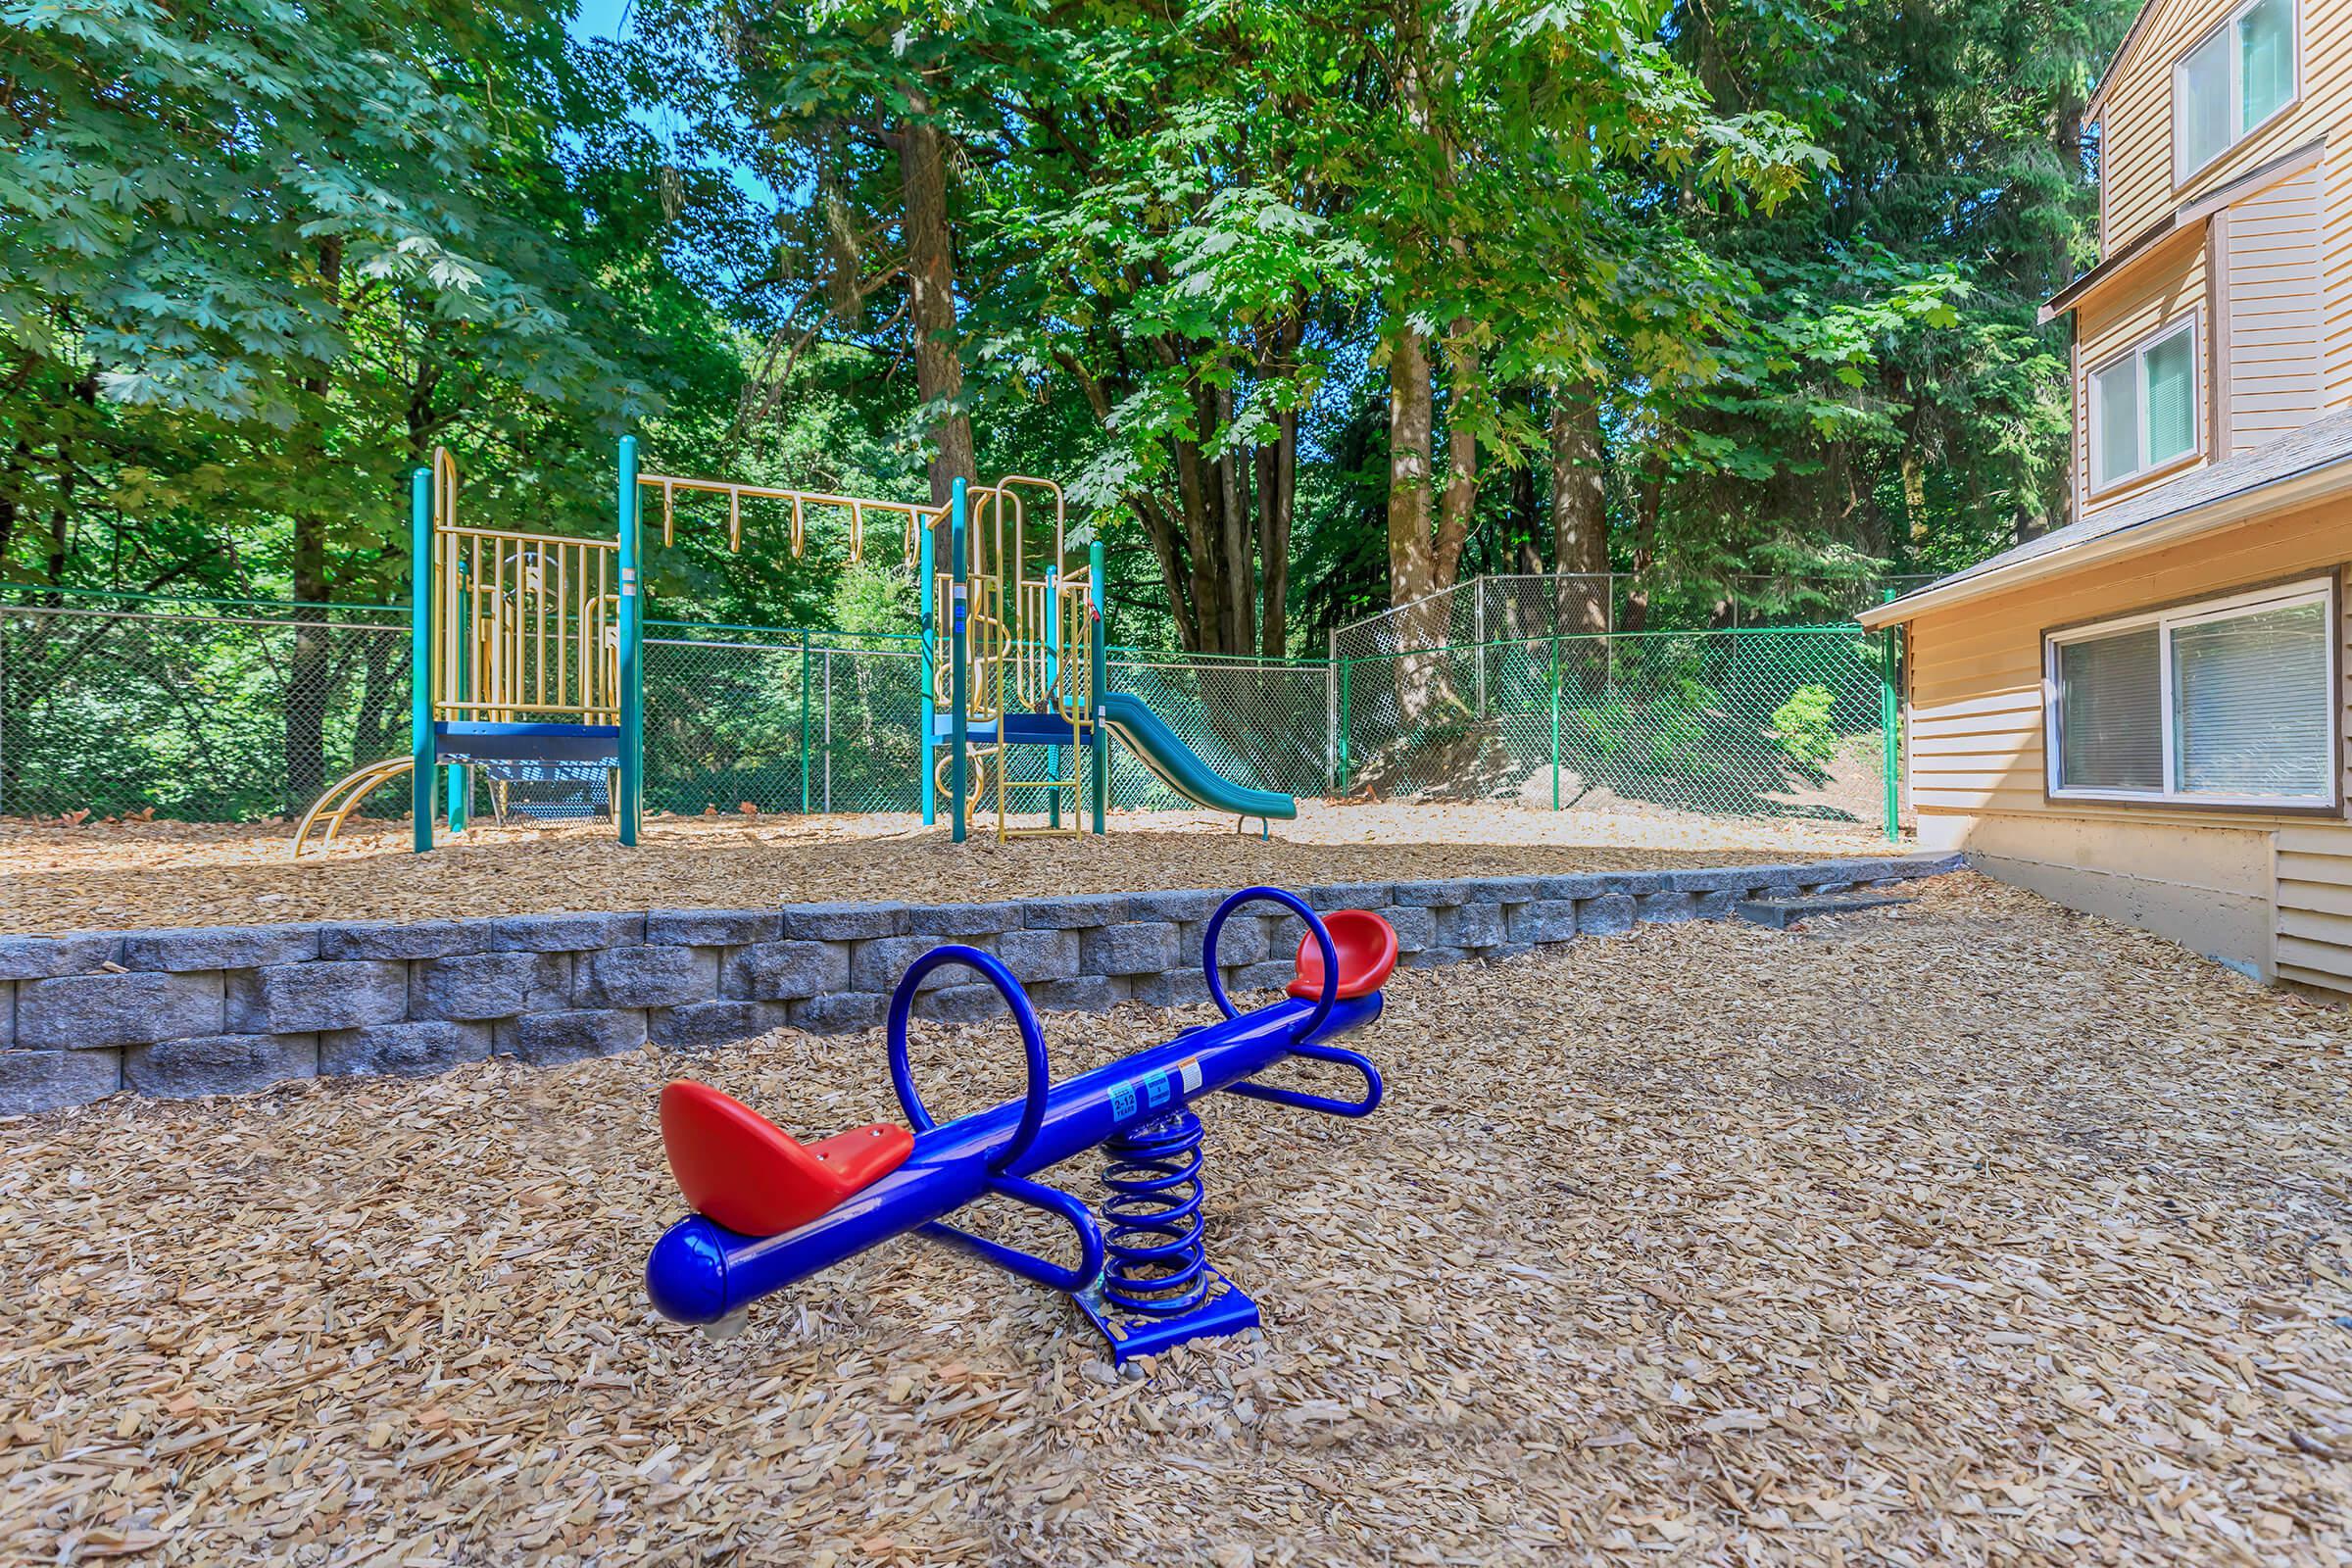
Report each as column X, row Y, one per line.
column 1412, row 569
column 1277, row 486
column 1197, row 496
column 310, row 669
column 2054, row 508
column 1458, row 505
column 1580, row 523
column 931, row 291
column 1172, row 575
column 1526, row 518
column 1646, row 502
column 1235, row 539
column 1411, row 414
column 1412, row 544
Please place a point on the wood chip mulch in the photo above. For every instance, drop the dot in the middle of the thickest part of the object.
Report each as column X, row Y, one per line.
column 122, row 875
column 1964, row 1232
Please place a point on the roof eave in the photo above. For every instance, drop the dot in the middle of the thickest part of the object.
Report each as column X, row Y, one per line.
column 2318, row 483
column 2097, row 100
column 2188, row 216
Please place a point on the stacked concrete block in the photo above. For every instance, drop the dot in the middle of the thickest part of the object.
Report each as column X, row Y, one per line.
column 233, row 1008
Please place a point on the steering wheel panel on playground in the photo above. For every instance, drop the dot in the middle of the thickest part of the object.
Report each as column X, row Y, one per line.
column 769, row 1211
column 527, row 666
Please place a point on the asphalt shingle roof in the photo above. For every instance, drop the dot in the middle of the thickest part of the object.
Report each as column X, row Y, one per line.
column 2323, row 441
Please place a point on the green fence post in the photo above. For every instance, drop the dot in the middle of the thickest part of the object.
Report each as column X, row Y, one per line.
column 1890, row 729
column 1345, row 665
column 1331, row 714
column 1559, row 678
column 803, row 721
column 420, row 654
column 631, row 631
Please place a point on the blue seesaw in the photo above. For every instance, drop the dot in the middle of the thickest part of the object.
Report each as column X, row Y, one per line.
column 769, row 1211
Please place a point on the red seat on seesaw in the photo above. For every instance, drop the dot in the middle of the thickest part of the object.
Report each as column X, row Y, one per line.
column 741, row 1170
column 1367, row 949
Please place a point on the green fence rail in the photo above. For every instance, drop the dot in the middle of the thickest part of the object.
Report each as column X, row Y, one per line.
column 235, row 711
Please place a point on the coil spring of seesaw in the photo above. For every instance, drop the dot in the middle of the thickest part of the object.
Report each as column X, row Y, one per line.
column 1152, row 1233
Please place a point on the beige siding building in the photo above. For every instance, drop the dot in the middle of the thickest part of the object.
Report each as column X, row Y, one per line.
column 2143, row 714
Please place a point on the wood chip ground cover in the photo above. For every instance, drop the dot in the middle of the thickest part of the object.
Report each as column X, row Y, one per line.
column 1970, row 1231
column 112, row 876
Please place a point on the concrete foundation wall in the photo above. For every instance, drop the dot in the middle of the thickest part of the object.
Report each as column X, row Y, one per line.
column 230, row 1009
column 2206, row 888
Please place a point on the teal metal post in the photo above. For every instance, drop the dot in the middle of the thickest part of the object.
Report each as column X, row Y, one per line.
column 1890, row 729
column 1098, row 653
column 420, row 654
column 803, row 721
column 461, row 777
column 631, row 631
column 959, row 673
column 926, row 655
column 1559, row 678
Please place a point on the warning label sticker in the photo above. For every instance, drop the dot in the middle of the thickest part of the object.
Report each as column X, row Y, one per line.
column 1122, row 1098
column 1189, row 1069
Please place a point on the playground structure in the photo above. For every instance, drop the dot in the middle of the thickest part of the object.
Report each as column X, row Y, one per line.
column 526, row 660
column 770, row 1212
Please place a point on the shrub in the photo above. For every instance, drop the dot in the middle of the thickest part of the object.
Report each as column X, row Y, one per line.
column 1804, row 727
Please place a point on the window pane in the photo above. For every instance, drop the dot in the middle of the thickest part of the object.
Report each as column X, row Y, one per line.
column 2115, row 442
column 2201, row 113
column 2172, row 397
column 2110, row 719
column 2251, row 708
column 2266, row 38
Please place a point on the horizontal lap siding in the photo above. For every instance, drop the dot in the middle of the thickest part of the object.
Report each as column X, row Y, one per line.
column 2335, row 264
column 2272, row 277
column 2136, row 174
column 1976, row 714
column 2313, row 944
column 2173, row 286
column 2135, row 124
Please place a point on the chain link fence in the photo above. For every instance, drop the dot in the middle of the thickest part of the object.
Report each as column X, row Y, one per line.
column 1259, row 723
column 740, row 718
column 200, row 712
column 220, row 711
column 1779, row 722
column 1503, row 607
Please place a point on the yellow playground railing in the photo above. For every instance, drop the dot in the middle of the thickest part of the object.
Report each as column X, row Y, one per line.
column 535, row 630
column 524, row 644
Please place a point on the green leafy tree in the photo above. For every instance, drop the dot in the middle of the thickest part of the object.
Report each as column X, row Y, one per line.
column 257, row 260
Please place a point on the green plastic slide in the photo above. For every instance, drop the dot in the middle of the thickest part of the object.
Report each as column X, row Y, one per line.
column 1179, row 766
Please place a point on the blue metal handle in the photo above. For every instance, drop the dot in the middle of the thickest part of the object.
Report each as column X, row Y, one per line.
column 1314, row 1020
column 1028, row 1265
column 1301, row 1099
column 1033, row 1044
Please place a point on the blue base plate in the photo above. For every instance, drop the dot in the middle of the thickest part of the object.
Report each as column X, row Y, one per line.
column 1224, row 1310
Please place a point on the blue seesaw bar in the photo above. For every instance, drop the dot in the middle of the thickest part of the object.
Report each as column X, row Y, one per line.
column 771, row 1213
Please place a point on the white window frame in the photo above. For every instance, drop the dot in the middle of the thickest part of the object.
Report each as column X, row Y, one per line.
column 2287, row 596
column 2183, row 174
column 2138, row 351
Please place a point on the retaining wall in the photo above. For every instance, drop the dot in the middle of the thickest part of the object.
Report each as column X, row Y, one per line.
column 226, row 1010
